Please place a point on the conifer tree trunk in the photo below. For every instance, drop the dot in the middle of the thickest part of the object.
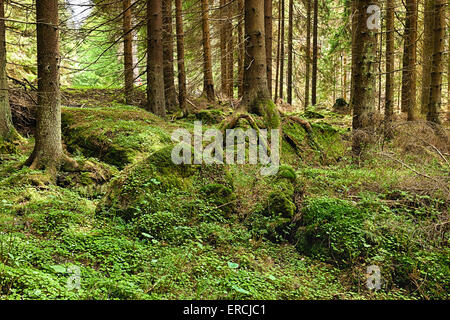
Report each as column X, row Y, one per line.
column 230, row 49
column 390, row 63
column 427, row 53
column 223, row 48
column 208, row 83
column 435, row 100
column 282, row 49
column 7, row 131
column 241, row 45
column 128, row 51
column 290, row 49
column 180, row 57
column 364, row 62
column 277, row 74
column 308, row 52
column 256, row 97
column 315, row 53
column 409, row 104
column 268, row 26
column 170, row 94
column 155, row 73
column 48, row 152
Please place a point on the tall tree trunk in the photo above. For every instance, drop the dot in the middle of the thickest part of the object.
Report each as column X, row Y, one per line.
column 308, row 52
column 128, row 51
column 256, row 92
column 290, row 48
column 268, row 26
column 180, row 57
column 208, row 83
column 7, row 131
column 241, row 45
column 155, row 73
column 48, row 152
column 168, row 68
column 364, row 48
column 427, row 54
column 277, row 75
column 282, row 50
column 435, row 100
column 315, row 53
column 409, row 62
column 223, row 47
column 230, row 49
column 390, row 64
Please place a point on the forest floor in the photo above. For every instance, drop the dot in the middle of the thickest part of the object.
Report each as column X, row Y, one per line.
column 132, row 225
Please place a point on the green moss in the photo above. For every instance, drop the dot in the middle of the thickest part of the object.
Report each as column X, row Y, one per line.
column 115, row 135
column 280, row 205
column 287, row 172
column 210, row 116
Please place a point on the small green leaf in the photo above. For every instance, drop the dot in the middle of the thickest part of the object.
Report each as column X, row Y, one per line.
column 240, row 290
column 233, row 265
column 58, row 268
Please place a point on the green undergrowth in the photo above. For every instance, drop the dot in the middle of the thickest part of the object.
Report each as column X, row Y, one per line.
column 136, row 226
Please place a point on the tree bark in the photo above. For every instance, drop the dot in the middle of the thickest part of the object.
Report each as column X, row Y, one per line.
column 282, row 49
column 7, row 131
column 170, row 94
column 268, row 26
column 308, row 52
column 208, row 83
column 315, row 53
column 277, row 75
column 364, row 48
column 128, row 51
column 230, row 49
column 435, row 100
column 241, row 45
column 155, row 73
column 223, row 48
column 409, row 104
column 180, row 57
column 290, row 49
column 390, row 63
column 256, row 92
column 48, row 152
column 427, row 54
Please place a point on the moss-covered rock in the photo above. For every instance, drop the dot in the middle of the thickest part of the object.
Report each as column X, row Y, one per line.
column 115, row 135
column 220, row 196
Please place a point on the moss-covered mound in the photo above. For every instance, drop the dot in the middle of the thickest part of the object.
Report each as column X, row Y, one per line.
column 115, row 135
column 324, row 143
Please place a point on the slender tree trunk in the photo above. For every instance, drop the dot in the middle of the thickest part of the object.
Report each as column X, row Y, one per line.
column 308, row 52
column 409, row 62
column 48, row 152
column 268, row 26
column 208, row 83
column 128, row 51
column 345, row 77
column 7, row 131
column 256, row 92
column 435, row 100
column 230, row 49
column 168, row 67
column 277, row 75
column 241, row 45
column 223, row 48
column 180, row 57
column 290, row 49
column 390, row 64
column 155, row 61
column 427, row 54
column 282, row 50
column 315, row 53
column 364, row 62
